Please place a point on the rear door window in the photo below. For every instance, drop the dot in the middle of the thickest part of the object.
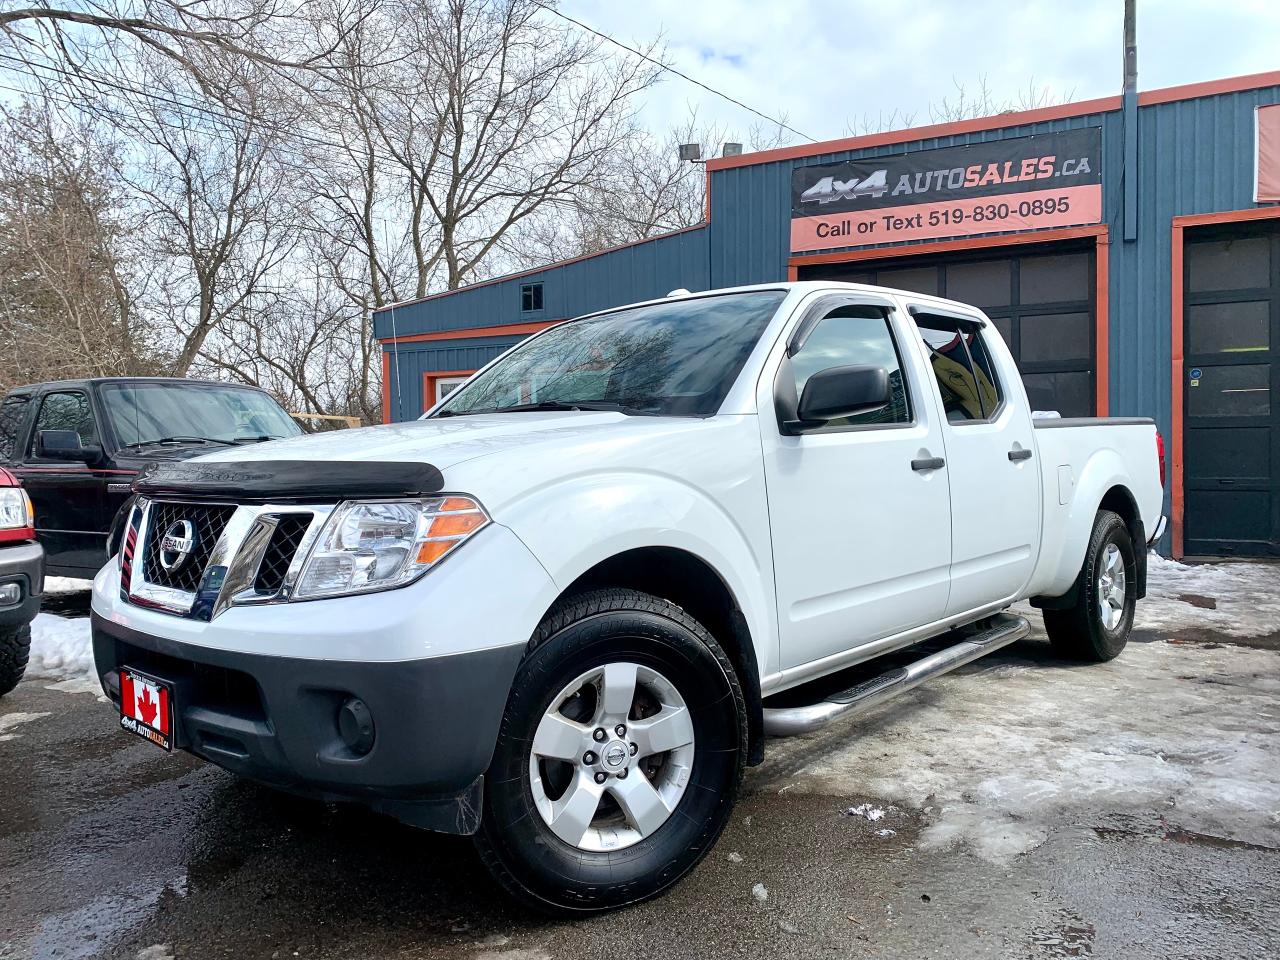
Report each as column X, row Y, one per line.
column 962, row 367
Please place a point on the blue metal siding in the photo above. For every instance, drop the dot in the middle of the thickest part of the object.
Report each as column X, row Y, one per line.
column 412, row 360
column 1194, row 156
column 638, row 272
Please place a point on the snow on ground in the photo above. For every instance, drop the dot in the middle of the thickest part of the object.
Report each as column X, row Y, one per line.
column 66, row 585
column 61, row 649
column 998, row 756
column 10, row 720
column 1246, row 597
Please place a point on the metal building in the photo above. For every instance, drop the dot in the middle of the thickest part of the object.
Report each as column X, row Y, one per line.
column 1128, row 251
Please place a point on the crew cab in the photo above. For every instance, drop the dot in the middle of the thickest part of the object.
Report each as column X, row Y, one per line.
column 76, row 445
column 565, row 609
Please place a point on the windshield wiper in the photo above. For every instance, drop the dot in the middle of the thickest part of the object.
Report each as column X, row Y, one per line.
column 178, row 440
column 570, row 405
column 260, row 438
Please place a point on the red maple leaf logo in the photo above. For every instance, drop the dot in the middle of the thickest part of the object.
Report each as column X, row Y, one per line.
column 147, row 708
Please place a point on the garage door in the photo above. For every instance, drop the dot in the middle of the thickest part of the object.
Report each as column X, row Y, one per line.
column 1042, row 302
column 1231, row 425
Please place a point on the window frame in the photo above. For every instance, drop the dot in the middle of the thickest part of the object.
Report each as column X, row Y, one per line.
column 533, row 291
column 437, row 382
column 977, row 326
column 814, row 314
column 33, row 434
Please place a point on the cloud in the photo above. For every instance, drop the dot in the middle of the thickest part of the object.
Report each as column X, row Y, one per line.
column 824, row 64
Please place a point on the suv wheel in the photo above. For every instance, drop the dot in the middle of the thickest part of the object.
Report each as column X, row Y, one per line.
column 619, row 757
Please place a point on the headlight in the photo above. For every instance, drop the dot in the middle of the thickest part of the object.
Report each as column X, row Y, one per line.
column 17, row 519
column 378, row 544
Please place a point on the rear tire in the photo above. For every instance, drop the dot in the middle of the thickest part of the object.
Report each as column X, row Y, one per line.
column 1097, row 628
column 580, row 818
column 15, row 650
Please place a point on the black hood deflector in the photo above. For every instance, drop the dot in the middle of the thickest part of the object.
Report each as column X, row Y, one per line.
column 274, row 480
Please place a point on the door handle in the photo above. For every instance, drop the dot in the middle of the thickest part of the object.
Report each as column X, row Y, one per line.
column 1016, row 455
column 928, row 463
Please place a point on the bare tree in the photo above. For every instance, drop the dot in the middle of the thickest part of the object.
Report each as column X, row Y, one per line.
column 486, row 114
column 982, row 101
column 68, row 287
column 968, row 102
column 644, row 189
column 219, row 199
column 262, row 33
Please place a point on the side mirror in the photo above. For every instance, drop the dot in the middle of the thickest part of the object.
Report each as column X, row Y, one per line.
column 841, row 392
column 65, row 445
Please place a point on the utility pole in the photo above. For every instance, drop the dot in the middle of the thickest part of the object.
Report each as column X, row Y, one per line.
column 1129, row 107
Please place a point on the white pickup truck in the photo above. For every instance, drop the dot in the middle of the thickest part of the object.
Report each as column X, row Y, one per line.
column 555, row 611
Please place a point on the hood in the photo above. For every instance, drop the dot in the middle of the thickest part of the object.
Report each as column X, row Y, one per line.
column 447, row 442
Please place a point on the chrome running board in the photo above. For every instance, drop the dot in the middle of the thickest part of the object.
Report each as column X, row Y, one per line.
column 1001, row 630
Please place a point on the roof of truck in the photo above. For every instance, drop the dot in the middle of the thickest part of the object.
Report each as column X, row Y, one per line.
column 93, row 381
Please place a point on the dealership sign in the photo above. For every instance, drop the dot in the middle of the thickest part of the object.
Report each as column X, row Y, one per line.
column 1028, row 183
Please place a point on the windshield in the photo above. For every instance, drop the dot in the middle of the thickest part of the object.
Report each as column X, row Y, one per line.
column 148, row 412
column 676, row 358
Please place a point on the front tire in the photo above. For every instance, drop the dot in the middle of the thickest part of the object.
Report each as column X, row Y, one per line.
column 15, row 650
column 1097, row 627
column 619, row 757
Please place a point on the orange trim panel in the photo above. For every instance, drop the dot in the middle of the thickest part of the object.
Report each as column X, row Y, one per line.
column 500, row 330
column 429, row 384
column 386, row 387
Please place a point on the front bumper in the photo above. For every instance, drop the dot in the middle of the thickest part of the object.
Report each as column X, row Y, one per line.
column 23, row 564
column 275, row 719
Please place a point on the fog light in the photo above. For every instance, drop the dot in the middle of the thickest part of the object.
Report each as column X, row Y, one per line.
column 355, row 724
column 10, row 593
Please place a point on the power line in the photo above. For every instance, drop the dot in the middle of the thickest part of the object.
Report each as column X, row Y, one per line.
column 670, row 69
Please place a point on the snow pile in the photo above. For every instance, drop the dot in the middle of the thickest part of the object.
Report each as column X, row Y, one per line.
column 61, row 649
column 66, row 585
column 1187, row 733
column 1245, row 598
column 865, row 810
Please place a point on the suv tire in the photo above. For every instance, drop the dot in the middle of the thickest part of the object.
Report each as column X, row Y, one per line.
column 15, row 650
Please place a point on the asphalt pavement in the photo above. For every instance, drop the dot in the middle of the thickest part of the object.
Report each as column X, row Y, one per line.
column 111, row 848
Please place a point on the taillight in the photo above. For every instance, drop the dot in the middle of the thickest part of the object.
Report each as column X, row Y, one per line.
column 17, row 519
column 1160, row 455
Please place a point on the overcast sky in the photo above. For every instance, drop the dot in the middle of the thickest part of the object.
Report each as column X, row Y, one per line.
column 824, row 63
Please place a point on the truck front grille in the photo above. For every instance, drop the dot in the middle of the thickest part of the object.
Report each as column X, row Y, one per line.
column 207, row 522
column 290, row 529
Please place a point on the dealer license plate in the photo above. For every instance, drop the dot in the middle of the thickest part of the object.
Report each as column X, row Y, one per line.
column 146, row 707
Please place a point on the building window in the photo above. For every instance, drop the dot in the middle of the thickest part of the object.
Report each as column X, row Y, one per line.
column 530, row 297
column 446, row 386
